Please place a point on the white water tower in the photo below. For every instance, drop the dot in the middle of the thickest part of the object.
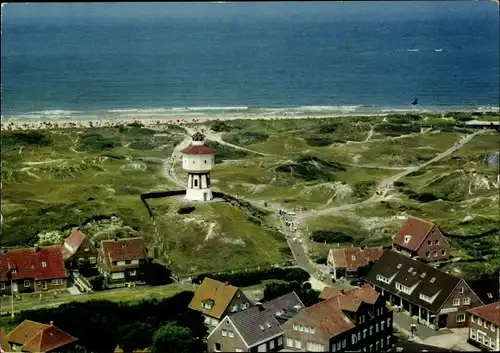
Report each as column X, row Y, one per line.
column 198, row 160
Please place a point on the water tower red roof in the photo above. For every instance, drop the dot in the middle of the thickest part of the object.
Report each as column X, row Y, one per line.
column 203, row 149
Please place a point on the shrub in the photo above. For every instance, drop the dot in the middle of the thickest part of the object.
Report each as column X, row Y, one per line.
column 331, row 236
column 250, row 278
column 142, row 145
column 97, row 282
column 186, row 210
column 220, row 126
column 136, row 124
column 245, row 138
column 92, row 141
column 319, row 141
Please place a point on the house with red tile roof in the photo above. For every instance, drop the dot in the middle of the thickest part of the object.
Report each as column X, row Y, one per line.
column 351, row 262
column 357, row 320
column 32, row 270
column 484, row 326
column 79, row 251
column 31, row 336
column 119, row 260
column 421, row 239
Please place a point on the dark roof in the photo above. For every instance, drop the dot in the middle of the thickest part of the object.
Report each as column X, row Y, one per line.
column 193, row 149
column 488, row 290
column 409, row 346
column 490, row 312
column 417, row 229
column 258, row 323
column 392, row 263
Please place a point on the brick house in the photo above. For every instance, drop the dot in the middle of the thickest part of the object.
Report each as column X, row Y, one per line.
column 484, row 326
column 422, row 291
column 357, row 320
column 350, row 262
column 79, row 251
column 32, row 270
column 119, row 260
column 256, row 329
column 215, row 300
column 422, row 239
column 35, row 337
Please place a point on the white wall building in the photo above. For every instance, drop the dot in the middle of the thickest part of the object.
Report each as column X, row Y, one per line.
column 198, row 160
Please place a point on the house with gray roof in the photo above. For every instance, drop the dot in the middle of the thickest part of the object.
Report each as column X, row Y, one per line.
column 257, row 329
column 424, row 292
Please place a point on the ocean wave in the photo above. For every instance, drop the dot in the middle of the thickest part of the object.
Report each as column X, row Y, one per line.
column 55, row 112
column 414, row 49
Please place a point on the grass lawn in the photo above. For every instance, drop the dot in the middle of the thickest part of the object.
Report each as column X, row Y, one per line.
column 32, row 300
column 190, row 241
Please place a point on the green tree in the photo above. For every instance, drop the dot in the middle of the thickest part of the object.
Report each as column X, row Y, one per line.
column 173, row 338
column 136, row 335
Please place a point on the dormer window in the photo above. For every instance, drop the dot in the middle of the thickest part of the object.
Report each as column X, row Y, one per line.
column 422, row 275
column 87, row 249
column 432, row 279
column 398, row 266
column 44, row 264
column 461, row 290
column 407, row 238
column 353, row 258
column 490, row 295
column 410, row 269
column 208, row 304
column 13, row 270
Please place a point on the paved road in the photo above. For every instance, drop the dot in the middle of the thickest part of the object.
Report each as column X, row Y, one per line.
column 403, row 322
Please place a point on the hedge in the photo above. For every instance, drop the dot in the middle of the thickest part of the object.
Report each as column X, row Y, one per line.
column 251, row 278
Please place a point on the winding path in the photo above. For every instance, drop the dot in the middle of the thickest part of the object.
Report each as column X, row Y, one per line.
column 299, row 249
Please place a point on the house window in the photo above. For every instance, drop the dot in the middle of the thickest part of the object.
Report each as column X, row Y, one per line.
column 224, row 333
column 461, row 290
column 472, row 318
column 132, row 272
column 382, row 324
column 280, row 341
column 354, row 339
column 26, row 282
column 57, row 282
column 238, row 350
column 13, row 270
column 44, row 264
column 231, row 334
column 371, row 347
column 437, row 242
column 388, row 340
column 271, row 344
column 388, row 322
column 456, row 302
column 371, row 330
column 435, row 253
column 295, row 327
column 473, row 334
column 334, row 347
column 493, row 327
column 443, row 252
column 86, row 249
column 233, row 309
column 407, row 238
column 207, row 320
column 490, row 295
column 359, row 336
column 364, row 333
column 92, row 260
column 214, row 322
column 428, row 254
column 344, row 343
column 432, row 279
column 261, row 348
column 376, row 346
column 217, row 347
column 205, row 161
column 2, row 285
column 429, row 242
column 381, row 343
column 208, row 304
column 376, row 327
column 466, row 301
column 460, row 317
column 289, row 342
column 479, row 321
column 486, row 324
column 339, row 347
column 298, row 344
column 135, row 262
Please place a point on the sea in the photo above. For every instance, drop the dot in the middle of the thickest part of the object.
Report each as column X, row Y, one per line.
column 92, row 60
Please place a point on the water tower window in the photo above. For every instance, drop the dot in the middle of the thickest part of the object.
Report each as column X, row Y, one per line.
column 193, row 162
column 205, row 161
column 195, row 182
